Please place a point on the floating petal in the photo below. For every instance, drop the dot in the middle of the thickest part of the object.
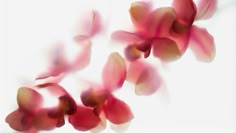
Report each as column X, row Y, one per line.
column 206, row 9
column 127, row 38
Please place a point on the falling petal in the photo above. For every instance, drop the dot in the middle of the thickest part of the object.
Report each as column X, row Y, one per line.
column 166, row 49
column 25, row 96
column 202, row 44
column 96, row 24
column 125, row 37
column 134, row 70
column 19, row 120
column 139, row 12
column 148, row 82
column 206, row 9
column 114, row 72
column 42, row 121
column 117, row 111
column 84, row 119
column 160, row 21
column 67, row 104
column 185, row 10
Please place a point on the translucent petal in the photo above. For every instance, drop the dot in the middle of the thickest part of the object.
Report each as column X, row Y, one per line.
column 84, row 119
column 202, row 44
column 19, row 120
column 132, row 53
column 206, row 9
column 114, row 72
column 139, row 12
column 117, row 111
column 125, row 37
column 166, row 49
column 28, row 99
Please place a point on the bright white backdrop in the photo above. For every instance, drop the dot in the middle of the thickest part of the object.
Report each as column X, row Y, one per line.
column 200, row 97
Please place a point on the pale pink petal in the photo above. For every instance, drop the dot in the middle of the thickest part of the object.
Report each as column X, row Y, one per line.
column 117, row 111
column 160, row 21
column 19, row 120
column 28, row 99
column 139, row 12
column 96, row 24
column 202, row 44
column 53, row 88
column 134, row 69
column 114, row 72
column 206, row 9
column 125, row 37
column 166, row 49
column 185, row 10
column 84, row 119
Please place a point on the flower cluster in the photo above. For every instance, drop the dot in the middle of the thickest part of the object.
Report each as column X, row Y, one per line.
column 165, row 32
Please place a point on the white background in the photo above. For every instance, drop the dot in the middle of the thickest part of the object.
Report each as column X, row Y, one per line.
column 200, row 97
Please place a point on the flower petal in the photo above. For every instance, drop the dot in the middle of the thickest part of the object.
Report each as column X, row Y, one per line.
column 206, row 9
column 160, row 21
column 132, row 53
column 166, row 49
column 185, row 10
column 84, row 119
column 114, row 72
column 67, row 104
column 126, row 37
column 25, row 96
column 19, row 120
column 202, row 44
column 117, row 111
column 139, row 12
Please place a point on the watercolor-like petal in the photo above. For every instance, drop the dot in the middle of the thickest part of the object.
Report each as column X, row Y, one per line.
column 117, row 111
column 139, row 12
column 114, row 72
column 57, row 113
column 96, row 25
column 125, row 37
column 202, row 44
column 42, row 120
column 84, row 119
column 53, row 88
column 206, row 9
column 132, row 53
column 166, row 49
column 185, row 10
column 160, row 21
column 19, row 120
column 28, row 99
column 67, row 104
column 101, row 125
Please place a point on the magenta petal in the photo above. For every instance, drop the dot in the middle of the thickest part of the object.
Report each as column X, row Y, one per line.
column 19, row 120
column 206, row 9
column 117, row 111
column 126, row 37
column 185, row 10
column 114, row 72
column 84, row 119
column 25, row 96
column 202, row 44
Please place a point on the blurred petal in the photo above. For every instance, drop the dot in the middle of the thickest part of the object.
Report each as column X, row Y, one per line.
column 206, row 9
column 42, row 121
column 160, row 21
column 114, row 72
column 57, row 113
column 96, row 23
column 101, row 125
column 126, row 37
column 120, row 128
column 166, row 49
column 202, row 44
column 132, row 53
column 84, row 119
column 134, row 70
column 28, row 99
column 185, row 10
column 148, row 82
column 67, row 104
column 139, row 12
column 19, row 120
column 117, row 111
column 53, row 88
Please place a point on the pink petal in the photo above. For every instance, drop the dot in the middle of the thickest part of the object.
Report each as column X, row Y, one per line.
column 67, row 104
column 19, row 120
column 96, row 23
column 185, row 10
column 132, row 53
column 57, row 113
column 206, row 9
column 146, row 78
column 84, row 119
column 160, row 21
column 54, row 88
column 139, row 12
column 114, row 72
column 126, row 37
column 42, row 120
column 117, row 111
column 28, row 99
column 202, row 44
column 166, row 49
